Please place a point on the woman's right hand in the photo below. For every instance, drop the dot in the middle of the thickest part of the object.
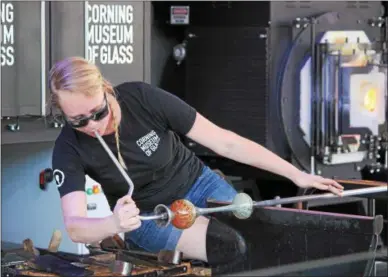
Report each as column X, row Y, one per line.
column 126, row 215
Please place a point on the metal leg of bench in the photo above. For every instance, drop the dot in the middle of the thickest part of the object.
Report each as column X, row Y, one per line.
column 371, row 207
column 371, row 211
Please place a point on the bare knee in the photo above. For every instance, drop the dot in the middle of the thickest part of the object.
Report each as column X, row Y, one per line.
column 192, row 242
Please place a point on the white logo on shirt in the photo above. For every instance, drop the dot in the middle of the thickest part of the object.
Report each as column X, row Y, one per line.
column 149, row 143
column 59, row 177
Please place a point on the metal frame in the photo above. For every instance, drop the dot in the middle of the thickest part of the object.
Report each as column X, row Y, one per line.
column 290, row 268
column 147, row 40
column 369, row 204
column 86, row 29
column 43, row 56
column 288, row 86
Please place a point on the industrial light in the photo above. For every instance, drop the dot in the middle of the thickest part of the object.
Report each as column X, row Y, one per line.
column 367, row 100
column 370, row 99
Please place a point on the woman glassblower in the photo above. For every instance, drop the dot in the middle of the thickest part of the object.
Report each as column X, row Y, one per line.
column 142, row 124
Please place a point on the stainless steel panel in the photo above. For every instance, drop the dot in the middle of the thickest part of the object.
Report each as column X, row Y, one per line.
column 22, row 30
column 67, row 29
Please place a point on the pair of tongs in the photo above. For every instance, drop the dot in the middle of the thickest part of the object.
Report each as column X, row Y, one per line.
column 122, row 255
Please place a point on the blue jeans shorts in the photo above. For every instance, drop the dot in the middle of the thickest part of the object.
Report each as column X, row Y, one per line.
column 150, row 237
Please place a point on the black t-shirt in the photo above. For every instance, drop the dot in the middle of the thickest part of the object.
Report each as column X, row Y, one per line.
column 159, row 164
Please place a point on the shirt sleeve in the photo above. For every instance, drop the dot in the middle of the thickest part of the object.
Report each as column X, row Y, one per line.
column 68, row 171
column 169, row 109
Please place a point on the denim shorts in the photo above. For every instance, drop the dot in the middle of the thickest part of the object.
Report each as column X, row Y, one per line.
column 150, row 237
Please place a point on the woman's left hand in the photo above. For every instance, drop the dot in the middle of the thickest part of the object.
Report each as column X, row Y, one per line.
column 305, row 180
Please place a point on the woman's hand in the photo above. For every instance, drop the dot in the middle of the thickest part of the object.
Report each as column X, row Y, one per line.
column 126, row 215
column 305, row 180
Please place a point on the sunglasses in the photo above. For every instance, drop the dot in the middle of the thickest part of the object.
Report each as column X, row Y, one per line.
column 95, row 116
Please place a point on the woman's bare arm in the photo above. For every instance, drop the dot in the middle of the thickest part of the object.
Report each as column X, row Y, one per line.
column 125, row 218
column 81, row 228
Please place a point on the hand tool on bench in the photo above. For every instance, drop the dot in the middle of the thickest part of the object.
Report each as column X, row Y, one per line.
column 28, row 247
column 117, row 245
column 27, row 254
column 51, row 263
column 52, row 249
column 141, row 262
column 55, row 241
column 116, row 267
column 164, row 256
column 117, row 242
column 20, row 255
column 138, row 263
column 110, row 243
column 122, row 253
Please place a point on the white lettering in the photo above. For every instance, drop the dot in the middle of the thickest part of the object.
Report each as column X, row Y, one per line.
column 110, row 34
column 7, row 53
column 111, row 54
column 7, row 56
column 149, row 143
column 7, row 13
column 7, row 34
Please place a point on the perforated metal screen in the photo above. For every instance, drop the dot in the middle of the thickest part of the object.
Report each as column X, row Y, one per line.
column 226, row 78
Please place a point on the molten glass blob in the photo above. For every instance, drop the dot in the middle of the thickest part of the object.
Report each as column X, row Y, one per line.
column 184, row 214
column 370, row 100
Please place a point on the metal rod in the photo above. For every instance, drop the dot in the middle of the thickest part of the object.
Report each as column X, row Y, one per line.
column 116, row 162
column 324, row 87
column 228, row 208
column 43, row 56
column 327, row 101
column 319, row 92
column 331, row 113
column 153, row 217
column 304, row 198
column 335, row 100
column 313, row 99
column 86, row 30
column 131, row 252
column 126, row 177
column 371, row 207
column 275, row 202
column 386, row 29
column 292, row 200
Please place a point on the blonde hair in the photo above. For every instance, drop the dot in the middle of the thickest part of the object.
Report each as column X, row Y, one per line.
column 77, row 75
